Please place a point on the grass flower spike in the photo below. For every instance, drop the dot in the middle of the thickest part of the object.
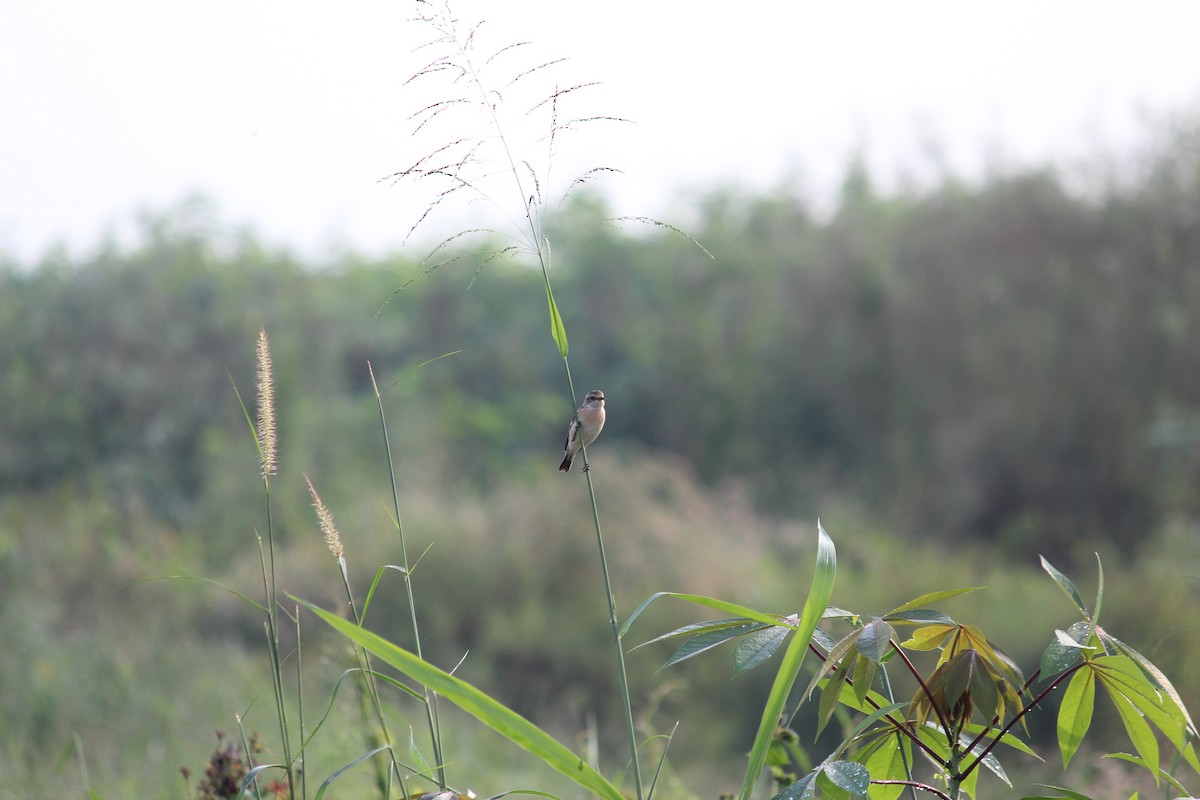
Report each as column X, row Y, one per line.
column 333, row 539
column 266, row 407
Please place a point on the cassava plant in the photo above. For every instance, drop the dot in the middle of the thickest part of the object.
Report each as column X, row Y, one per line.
column 973, row 700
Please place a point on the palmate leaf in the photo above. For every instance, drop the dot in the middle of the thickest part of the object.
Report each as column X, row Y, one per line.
column 1121, row 677
column 1155, row 675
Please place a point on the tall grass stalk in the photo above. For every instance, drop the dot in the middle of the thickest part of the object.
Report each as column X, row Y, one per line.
column 431, row 717
column 372, row 704
column 531, row 200
column 265, row 438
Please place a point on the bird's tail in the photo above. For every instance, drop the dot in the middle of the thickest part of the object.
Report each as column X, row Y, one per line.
column 565, row 466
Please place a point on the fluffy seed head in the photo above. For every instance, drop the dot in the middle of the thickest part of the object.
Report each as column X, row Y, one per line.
column 266, row 406
column 333, row 539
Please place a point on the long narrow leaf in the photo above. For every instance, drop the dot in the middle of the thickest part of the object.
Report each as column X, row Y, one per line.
column 1075, row 713
column 719, row 605
column 789, row 668
column 557, row 330
column 1067, row 586
column 496, row 716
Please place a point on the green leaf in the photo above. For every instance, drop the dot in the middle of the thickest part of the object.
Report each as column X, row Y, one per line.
column 803, row 789
column 706, row 641
column 694, row 628
column 1060, row 656
column 496, row 716
column 1075, row 713
column 888, row 759
column 863, row 677
column 932, row 597
column 832, row 660
column 1067, row 586
column 557, row 330
column 919, row 616
column 719, row 605
column 848, row 775
column 832, row 691
column 874, row 640
column 756, row 648
column 819, row 593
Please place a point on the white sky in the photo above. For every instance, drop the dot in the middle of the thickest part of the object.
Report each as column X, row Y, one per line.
column 288, row 113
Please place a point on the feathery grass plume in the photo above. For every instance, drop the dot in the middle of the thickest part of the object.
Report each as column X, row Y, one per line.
column 333, row 539
column 266, row 407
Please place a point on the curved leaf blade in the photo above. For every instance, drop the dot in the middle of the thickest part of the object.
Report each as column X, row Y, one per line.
column 496, row 716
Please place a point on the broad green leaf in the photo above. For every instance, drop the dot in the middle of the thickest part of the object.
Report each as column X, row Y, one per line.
column 496, row 716
column 930, row 637
column 703, row 642
column 864, row 724
column 558, row 331
column 932, row 597
column 819, row 593
column 848, row 775
column 823, row 640
column 1075, row 713
column 865, row 705
column 874, row 639
column 888, row 759
column 756, row 648
column 1067, row 586
column 1061, row 656
column 803, row 789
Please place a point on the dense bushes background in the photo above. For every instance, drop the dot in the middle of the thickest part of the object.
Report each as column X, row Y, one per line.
column 956, row 378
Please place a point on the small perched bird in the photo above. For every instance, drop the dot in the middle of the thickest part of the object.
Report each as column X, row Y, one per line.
column 584, row 428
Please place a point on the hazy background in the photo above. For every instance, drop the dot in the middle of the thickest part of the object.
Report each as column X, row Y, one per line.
column 288, row 113
column 952, row 309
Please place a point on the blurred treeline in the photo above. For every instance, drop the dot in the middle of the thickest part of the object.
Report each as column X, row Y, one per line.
column 972, row 372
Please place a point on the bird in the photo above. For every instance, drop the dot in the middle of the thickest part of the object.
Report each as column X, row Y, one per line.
column 584, row 428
